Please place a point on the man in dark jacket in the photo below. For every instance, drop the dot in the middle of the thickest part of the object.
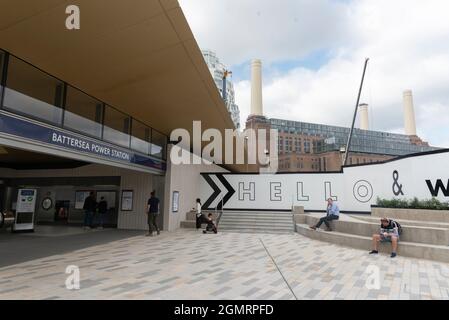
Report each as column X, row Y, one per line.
column 102, row 210
column 90, row 206
column 153, row 213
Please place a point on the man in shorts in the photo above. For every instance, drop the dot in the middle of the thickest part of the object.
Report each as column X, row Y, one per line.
column 389, row 232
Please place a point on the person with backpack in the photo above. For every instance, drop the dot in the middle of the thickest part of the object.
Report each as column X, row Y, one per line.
column 89, row 207
column 153, row 213
column 102, row 211
column 390, row 231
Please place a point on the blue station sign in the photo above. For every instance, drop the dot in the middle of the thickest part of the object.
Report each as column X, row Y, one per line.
column 47, row 135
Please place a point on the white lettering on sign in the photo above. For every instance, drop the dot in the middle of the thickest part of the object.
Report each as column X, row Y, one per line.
column 84, row 145
column 71, row 142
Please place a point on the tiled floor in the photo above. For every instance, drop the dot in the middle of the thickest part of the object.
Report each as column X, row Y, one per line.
column 189, row 265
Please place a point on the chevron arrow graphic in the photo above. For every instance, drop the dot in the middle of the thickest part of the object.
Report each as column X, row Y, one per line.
column 214, row 195
column 229, row 188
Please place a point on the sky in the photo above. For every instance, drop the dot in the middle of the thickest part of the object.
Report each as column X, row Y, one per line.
column 313, row 53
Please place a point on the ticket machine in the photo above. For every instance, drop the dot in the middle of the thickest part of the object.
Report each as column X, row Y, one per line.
column 25, row 209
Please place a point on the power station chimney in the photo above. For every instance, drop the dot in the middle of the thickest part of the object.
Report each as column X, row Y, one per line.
column 364, row 123
column 409, row 114
column 256, row 88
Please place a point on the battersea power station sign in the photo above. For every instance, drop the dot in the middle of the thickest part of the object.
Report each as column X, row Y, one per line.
column 356, row 188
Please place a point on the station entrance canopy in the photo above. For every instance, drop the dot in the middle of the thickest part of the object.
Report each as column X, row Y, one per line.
column 139, row 57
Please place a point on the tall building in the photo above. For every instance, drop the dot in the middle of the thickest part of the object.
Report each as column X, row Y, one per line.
column 217, row 70
column 305, row 147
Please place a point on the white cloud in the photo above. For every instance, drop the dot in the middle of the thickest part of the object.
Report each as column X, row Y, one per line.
column 240, row 30
column 407, row 41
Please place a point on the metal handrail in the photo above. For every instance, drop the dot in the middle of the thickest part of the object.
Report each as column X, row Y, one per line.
column 221, row 213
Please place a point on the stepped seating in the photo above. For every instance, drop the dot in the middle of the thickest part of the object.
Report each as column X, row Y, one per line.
column 419, row 240
column 190, row 221
column 404, row 222
column 257, row 222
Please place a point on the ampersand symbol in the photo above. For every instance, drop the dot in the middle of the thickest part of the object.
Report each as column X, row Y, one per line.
column 397, row 188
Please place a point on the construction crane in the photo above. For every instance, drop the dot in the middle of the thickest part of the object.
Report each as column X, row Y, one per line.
column 226, row 74
column 348, row 145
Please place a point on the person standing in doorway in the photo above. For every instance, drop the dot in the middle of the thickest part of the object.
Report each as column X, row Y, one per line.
column 102, row 210
column 199, row 215
column 153, row 213
column 90, row 206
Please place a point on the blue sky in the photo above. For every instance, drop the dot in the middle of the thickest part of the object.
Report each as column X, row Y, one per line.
column 313, row 61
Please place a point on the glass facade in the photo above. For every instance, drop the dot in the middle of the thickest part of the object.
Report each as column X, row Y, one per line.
column 159, row 144
column 141, row 137
column 2, row 62
column 83, row 113
column 116, row 127
column 31, row 92
column 35, row 94
column 364, row 141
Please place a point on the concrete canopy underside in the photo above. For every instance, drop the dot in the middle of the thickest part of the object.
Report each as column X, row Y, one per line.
column 139, row 56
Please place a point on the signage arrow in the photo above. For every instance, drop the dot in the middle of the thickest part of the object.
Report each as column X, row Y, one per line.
column 229, row 188
column 217, row 191
column 214, row 195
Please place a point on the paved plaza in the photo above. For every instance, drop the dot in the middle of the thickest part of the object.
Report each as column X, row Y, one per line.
column 188, row 265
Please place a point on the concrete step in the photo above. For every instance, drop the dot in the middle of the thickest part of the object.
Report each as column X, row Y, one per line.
column 412, row 214
column 258, row 231
column 192, row 215
column 243, row 217
column 407, row 249
column 427, row 235
column 251, row 220
column 257, row 225
column 404, row 222
column 255, row 228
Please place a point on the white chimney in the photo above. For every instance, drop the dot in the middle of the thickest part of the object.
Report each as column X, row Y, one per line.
column 363, row 111
column 256, row 88
column 409, row 114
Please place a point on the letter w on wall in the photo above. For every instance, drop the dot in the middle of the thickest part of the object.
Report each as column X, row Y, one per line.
column 434, row 191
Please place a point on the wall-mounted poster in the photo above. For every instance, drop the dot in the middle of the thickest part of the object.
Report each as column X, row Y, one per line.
column 127, row 200
column 80, row 196
column 175, row 203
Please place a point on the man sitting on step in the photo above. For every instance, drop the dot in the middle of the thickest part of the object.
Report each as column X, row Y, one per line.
column 389, row 232
column 333, row 213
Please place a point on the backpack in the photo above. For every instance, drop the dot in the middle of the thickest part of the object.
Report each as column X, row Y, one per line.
column 397, row 226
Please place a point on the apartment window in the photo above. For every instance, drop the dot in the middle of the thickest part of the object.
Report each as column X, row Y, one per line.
column 116, row 127
column 298, row 145
column 307, row 146
column 140, row 137
column 158, row 144
column 83, row 113
column 32, row 92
